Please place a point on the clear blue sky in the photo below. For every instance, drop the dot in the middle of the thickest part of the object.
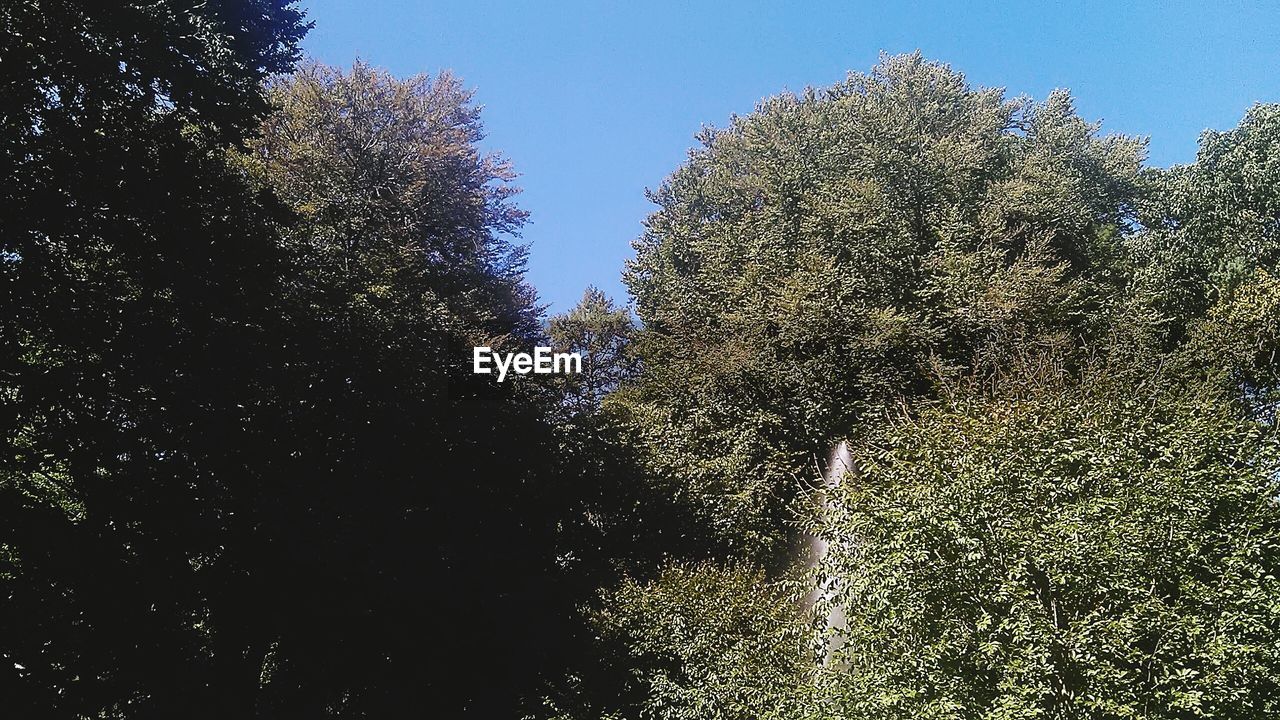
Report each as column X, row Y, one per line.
column 594, row 102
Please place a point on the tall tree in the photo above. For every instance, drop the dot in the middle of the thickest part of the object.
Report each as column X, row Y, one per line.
column 416, row 543
column 136, row 341
column 394, row 194
column 1057, row 374
column 835, row 250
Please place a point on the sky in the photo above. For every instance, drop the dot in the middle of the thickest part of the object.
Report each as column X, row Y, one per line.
column 593, row 102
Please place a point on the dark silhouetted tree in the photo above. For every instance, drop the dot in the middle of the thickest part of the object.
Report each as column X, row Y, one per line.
column 139, row 346
column 416, row 543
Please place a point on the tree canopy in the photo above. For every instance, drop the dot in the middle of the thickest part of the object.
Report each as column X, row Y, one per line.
column 838, row 250
column 1055, row 370
column 249, row 472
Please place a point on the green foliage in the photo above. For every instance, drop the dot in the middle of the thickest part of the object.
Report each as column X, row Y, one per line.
column 601, row 334
column 1061, row 552
column 705, row 643
column 248, row 472
column 136, row 280
column 1240, row 338
column 1059, row 376
column 1210, row 225
column 428, row 494
column 400, row 213
column 836, row 250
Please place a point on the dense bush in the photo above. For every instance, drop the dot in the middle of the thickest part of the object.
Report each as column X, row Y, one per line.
column 1098, row 552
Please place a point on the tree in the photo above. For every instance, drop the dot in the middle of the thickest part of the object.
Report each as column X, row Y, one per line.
column 1209, row 226
column 137, row 350
column 706, row 642
column 1096, row 550
column 1057, row 371
column 414, row 549
column 394, row 195
column 249, row 471
column 600, row 333
column 834, row 251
